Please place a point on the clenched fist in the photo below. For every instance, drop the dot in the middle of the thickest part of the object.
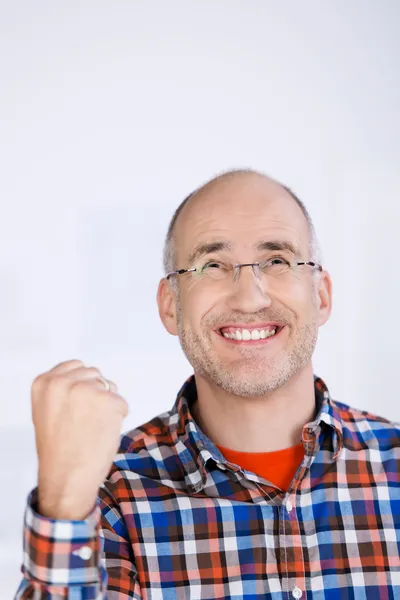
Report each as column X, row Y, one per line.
column 77, row 427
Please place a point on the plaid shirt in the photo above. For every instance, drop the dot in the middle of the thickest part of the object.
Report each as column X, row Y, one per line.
column 175, row 520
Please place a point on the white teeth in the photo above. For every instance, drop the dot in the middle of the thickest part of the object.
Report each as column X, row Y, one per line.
column 245, row 334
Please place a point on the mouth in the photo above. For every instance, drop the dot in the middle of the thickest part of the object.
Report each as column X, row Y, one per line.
column 262, row 334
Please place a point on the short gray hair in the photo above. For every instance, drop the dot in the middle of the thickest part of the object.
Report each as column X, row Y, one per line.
column 169, row 254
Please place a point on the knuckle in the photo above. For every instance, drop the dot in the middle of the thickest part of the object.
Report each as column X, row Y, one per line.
column 80, row 387
column 67, row 365
column 38, row 382
column 56, row 384
column 93, row 371
column 74, row 362
column 46, row 387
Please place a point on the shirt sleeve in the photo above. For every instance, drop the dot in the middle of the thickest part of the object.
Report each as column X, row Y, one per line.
column 70, row 559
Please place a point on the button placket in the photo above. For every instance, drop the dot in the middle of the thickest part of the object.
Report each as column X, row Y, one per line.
column 290, row 537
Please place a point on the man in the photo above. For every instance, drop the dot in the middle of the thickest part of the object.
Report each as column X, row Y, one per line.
column 256, row 484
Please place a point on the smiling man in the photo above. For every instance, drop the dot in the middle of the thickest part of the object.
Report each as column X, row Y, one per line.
column 249, row 332
column 256, row 484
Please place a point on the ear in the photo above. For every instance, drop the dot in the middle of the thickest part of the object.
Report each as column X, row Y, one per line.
column 324, row 297
column 166, row 300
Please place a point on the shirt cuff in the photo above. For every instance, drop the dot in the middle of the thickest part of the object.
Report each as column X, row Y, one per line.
column 58, row 552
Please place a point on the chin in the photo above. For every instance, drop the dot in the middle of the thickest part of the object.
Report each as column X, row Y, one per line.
column 251, row 380
column 248, row 389
column 246, row 385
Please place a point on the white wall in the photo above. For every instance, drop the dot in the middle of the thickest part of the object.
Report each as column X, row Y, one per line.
column 111, row 112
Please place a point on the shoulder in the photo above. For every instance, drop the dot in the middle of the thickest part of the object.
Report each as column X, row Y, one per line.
column 149, row 451
column 145, row 436
column 364, row 429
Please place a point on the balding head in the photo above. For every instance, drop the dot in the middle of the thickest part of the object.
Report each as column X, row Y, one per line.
column 253, row 180
column 244, row 219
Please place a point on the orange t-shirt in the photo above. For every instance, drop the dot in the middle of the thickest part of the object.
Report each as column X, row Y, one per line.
column 279, row 467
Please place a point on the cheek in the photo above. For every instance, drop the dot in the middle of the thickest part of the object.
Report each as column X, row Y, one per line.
column 301, row 300
column 197, row 304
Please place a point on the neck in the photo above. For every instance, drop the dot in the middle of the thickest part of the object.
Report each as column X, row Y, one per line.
column 256, row 424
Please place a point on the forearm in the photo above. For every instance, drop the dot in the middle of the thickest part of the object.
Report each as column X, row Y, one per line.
column 64, row 560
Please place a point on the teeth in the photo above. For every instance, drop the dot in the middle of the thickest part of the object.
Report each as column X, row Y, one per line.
column 245, row 334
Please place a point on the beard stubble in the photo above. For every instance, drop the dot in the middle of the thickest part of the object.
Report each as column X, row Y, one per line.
column 251, row 374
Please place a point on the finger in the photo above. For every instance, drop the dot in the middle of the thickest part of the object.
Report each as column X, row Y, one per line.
column 88, row 374
column 65, row 366
column 100, row 385
column 91, row 375
column 121, row 404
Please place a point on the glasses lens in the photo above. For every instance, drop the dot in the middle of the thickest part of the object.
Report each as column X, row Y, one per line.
column 215, row 270
column 275, row 267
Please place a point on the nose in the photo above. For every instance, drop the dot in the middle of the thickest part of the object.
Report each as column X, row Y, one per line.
column 248, row 293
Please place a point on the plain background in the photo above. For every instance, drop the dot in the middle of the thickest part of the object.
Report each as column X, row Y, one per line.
column 111, row 113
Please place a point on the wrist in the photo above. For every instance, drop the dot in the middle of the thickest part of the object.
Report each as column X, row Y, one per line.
column 59, row 506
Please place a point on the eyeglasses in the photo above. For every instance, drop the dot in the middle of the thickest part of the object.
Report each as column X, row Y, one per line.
column 272, row 268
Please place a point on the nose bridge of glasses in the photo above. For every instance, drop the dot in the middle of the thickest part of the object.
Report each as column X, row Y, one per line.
column 255, row 267
column 251, row 293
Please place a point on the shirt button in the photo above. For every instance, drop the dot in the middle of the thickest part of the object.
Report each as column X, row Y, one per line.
column 84, row 552
column 289, row 508
column 297, row 593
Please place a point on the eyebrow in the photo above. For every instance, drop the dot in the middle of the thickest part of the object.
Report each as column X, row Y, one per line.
column 205, row 248
column 280, row 246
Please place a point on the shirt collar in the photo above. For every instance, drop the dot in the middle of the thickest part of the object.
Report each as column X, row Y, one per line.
column 194, row 448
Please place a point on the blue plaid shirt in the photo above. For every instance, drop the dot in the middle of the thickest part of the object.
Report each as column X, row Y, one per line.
column 175, row 520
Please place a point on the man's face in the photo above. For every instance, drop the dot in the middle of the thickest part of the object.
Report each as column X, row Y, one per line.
column 243, row 213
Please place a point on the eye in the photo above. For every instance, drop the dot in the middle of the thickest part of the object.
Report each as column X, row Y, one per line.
column 211, row 265
column 275, row 261
column 214, row 269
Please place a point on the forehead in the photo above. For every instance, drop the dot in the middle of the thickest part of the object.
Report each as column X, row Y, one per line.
column 243, row 210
